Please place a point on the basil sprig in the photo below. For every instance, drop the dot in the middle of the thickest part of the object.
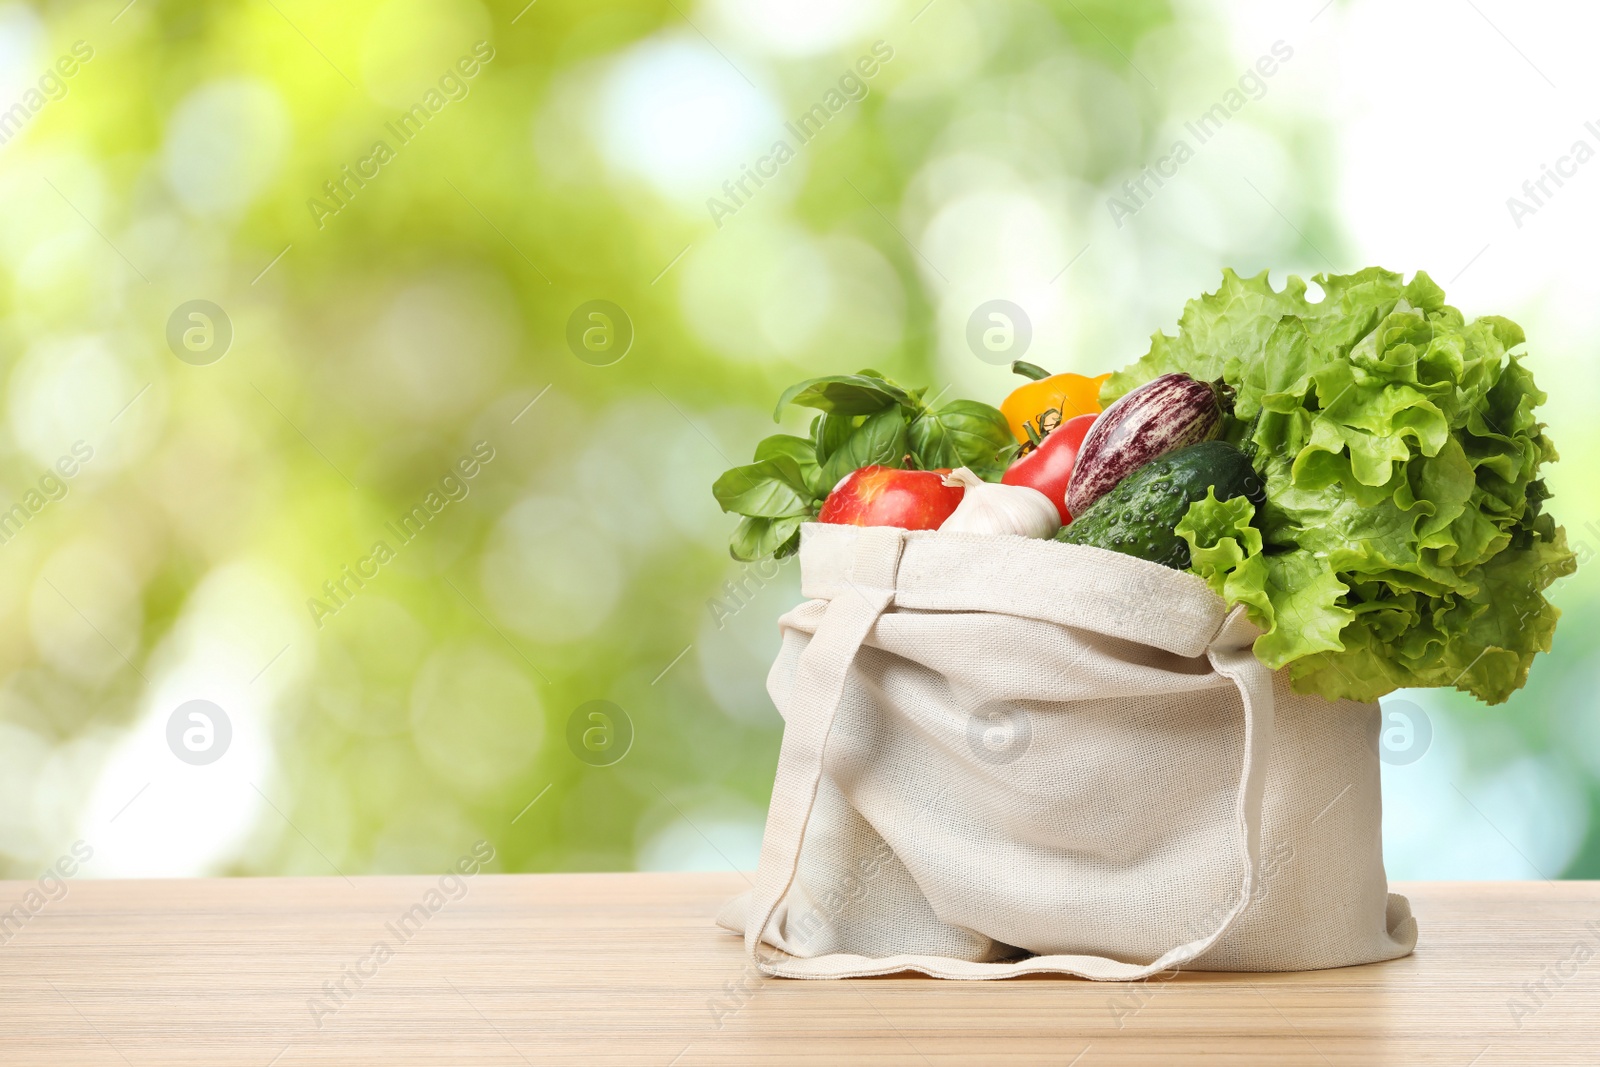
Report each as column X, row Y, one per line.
column 866, row 420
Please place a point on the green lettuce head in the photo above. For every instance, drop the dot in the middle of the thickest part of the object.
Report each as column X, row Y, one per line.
column 1403, row 542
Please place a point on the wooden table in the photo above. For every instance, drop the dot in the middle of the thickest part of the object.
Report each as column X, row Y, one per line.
column 628, row 969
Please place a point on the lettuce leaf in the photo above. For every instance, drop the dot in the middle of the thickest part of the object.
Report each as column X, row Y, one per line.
column 1403, row 541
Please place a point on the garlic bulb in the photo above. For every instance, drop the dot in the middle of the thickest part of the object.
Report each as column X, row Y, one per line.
column 990, row 508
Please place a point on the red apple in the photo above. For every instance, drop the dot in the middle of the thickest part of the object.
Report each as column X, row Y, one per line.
column 883, row 496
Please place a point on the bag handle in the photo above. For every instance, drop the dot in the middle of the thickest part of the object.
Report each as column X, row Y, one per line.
column 819, row 682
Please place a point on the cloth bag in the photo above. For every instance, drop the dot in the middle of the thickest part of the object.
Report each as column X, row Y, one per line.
column 1004, row 756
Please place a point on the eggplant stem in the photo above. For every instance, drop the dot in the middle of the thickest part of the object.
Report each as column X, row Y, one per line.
column 1224, row 394
column 1029, row 370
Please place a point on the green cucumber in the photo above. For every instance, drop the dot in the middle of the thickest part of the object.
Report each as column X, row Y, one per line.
column 1138, row 515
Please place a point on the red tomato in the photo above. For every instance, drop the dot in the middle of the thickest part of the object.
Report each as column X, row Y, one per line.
column 1048, row 468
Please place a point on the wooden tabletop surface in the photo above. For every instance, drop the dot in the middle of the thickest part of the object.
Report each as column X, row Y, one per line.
column 628, row 969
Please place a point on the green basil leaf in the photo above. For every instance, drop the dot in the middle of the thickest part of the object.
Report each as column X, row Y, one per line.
column 879, row 441
column 963, row 433
column 828, row 432
column 786, row 446
column 803, row 452
column 756, row 538
column 772, row 489
column 790, row 546
column 843, row 394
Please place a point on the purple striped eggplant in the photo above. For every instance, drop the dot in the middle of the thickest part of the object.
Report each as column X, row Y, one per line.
column 1160, row 416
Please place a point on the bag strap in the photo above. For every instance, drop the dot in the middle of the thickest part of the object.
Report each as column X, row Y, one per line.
column 820, row 676
column 818, row 688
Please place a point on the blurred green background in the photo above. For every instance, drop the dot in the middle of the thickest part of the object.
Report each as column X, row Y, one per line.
column 359, row 342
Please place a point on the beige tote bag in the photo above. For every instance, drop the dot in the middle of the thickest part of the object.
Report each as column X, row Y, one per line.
column 1004, row 756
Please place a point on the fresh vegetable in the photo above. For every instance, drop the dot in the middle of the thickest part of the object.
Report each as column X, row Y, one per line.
column 1221, row 538
column 866, row 420
column 1048, row 468
column 1361, row 472
column 1141, row 514
column 999, row 509
column 1033, row 410
column 1160, row 416
column 1403, row 541
column 883, row 496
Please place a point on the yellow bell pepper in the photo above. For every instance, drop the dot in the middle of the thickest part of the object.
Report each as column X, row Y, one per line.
column 1035, row 409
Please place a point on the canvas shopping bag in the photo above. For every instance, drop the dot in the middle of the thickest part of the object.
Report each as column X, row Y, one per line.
column 1004, row 756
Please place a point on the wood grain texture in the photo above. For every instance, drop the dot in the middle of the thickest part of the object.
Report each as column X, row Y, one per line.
column 628, row 969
